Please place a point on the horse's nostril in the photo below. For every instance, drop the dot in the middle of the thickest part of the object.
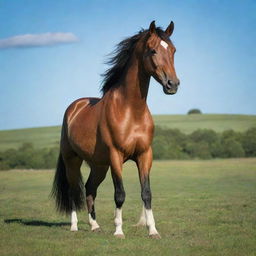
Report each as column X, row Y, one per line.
column 169, row 84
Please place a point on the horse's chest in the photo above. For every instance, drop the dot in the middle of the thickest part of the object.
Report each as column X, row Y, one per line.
column 134, row 139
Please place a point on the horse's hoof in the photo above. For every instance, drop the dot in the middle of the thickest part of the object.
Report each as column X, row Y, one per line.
column 96, row 230
column 155, row 236
column 120, row 236
column 74, row 228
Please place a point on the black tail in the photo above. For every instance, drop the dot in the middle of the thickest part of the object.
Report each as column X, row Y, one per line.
column 67, row 196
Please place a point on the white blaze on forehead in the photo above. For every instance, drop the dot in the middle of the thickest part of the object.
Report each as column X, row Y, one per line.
column 164, row 44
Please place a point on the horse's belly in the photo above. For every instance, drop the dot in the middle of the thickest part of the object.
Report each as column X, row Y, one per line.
column 89, row 147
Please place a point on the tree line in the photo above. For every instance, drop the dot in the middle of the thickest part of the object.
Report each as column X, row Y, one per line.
column 203, row 144
column 167, row 144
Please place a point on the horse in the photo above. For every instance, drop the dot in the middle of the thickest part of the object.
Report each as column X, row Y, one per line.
column 106, row 132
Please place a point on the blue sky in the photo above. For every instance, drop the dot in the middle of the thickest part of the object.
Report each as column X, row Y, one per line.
column 215, row 58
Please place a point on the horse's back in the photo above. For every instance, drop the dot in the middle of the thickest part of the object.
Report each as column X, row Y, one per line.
column 77, row 106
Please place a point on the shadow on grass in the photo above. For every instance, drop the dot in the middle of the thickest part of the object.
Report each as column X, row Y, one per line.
column 37, row 223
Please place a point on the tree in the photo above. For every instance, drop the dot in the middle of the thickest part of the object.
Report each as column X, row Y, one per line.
column 194, row 111
column 249, row 142
column 232, row 148
column 198, row 150
column 204, row 139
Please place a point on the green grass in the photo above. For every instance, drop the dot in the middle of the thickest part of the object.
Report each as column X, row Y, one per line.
column 200, row 207
column 49, row 136
column 43, row 137
column 219, row 123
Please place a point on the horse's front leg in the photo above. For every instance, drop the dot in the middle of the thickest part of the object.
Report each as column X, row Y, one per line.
column 142, row 220
column 119, row 195
column 144, row 162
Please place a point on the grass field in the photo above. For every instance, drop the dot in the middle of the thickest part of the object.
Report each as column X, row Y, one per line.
column 49, row 136
column 219, row 123
column 200, row 207
column 43, row 137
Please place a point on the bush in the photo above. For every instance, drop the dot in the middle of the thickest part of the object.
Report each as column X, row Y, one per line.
column 232, row 148
column 209, row 136
column 216, row 149
column 231, row 142
column 160, row 148
column 194, row 111
column 167, row 144
column 249, row 142
column 230, row 134
column 50, row 157
column 199, row 150
column 27, row 157
column 204, row 143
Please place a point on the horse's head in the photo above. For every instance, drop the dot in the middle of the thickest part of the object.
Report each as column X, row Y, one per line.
column 159, row 57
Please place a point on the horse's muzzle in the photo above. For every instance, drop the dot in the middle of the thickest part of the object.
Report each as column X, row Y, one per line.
column 171, row 87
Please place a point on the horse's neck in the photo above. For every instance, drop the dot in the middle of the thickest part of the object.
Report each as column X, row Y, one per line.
column 134, row 86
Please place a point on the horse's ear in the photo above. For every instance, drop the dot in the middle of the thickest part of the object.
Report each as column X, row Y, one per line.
column 152, row 27
column 169, row 29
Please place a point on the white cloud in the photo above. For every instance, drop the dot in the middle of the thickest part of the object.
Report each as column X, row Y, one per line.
column 37, row 40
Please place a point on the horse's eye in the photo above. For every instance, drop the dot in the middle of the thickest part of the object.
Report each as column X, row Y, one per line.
column 153, row 51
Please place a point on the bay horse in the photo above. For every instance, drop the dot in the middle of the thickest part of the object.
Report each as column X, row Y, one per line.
column 108, row 131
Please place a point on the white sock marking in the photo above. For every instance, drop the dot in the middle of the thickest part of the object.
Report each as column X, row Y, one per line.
column 73, row 221
column 118, row 222
column 93, row 223
column 164, row 44
column 150, row 222
column 142, row 220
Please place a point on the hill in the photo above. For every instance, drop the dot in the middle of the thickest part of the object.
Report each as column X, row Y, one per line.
column 49, row 136
column 40, row 137
column 218, row 123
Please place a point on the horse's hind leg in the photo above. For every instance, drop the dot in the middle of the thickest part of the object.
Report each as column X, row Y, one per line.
column 97, row 175
column 73, row 164
column 74, row 219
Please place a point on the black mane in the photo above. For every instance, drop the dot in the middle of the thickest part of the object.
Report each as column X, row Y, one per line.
column 120, row 58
